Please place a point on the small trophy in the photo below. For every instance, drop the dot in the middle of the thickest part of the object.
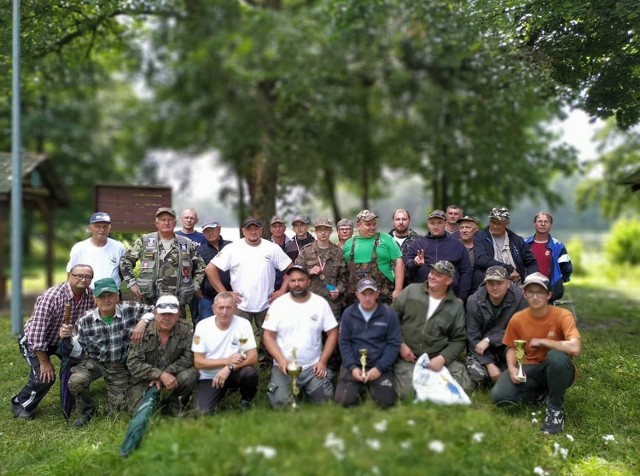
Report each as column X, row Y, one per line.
column 363, row 361
column 243, row 341
column 520, row 357
column 294, row 370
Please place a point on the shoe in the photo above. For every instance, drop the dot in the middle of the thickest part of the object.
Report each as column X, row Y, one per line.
column 477, row 372
column 20, row 412
column 245, row 405
column 83, row 419
column 553, row 422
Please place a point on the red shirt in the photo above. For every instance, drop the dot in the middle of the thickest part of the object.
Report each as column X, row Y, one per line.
column 543, row 257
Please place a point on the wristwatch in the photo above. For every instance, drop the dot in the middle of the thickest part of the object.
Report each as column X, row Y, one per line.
column 230, row 367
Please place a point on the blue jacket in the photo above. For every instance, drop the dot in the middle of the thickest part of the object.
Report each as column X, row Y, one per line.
column 380, row 336
column 522, row 256
column 561, row 267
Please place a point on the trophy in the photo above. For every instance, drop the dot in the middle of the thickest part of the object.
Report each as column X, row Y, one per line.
column 243, row 341
column 363, row 362
column 520, row 357
column 293, row 371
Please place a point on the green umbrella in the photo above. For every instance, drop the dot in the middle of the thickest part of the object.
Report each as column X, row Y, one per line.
column 139, row 421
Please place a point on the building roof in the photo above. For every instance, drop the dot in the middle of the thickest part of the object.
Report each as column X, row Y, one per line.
column 38, row 178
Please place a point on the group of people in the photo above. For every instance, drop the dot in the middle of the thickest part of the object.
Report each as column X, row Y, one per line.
column 353, row 315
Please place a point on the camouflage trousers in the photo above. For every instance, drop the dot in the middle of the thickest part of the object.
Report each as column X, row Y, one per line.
column 176, row 401
column 116, row 379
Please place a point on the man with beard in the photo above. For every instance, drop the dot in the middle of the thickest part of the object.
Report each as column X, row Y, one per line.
column 293, row 331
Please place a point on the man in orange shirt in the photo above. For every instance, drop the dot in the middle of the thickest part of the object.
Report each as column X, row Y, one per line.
column 552, row 339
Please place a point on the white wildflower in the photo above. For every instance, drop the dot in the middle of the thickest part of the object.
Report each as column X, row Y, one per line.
column 96, row 446
column 411, row 422
column 608, row 438
column 436, row 446
column 540, row 471
column 355, row 430
column 534, row 420
column 560, row 451
column 381, row 426
column 375, row 470
column 570, row 438
column 265, row 451
column 335, row 445
column 406, row 444
column 477, row 437
column 373, row 443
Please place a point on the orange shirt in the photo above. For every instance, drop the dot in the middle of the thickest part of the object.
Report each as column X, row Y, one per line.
column 558, row 324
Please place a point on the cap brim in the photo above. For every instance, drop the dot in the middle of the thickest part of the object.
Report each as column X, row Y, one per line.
column 168, row 310
column 106, row 290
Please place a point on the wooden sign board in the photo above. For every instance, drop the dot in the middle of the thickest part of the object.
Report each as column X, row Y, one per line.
column 132, row 208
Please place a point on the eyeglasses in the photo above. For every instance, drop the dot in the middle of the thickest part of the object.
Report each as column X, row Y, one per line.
column 82, row 277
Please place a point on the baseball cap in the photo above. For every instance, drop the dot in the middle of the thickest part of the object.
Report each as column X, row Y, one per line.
column 467, row 218
column 499, row 213
column 444, row 267
column 210, row 224
column 296, row 267
column 168, row 210
column 367, row 283
column 98, row 217
column 326, row 222
column 496, row 273
column 300, row 218
column 276, row 219
column 167, row 304
column 537, row 278
column 104, row 285
column 366, row 215
column 344, row 223
column 251, row 221
column 437, row 214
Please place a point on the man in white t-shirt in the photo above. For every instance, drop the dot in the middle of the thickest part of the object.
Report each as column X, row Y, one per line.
column 297, row 321
column 99, row 251
column 224, row 351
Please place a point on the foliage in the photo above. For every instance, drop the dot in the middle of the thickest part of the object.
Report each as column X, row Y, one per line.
column 623, row 246
column 575, row 248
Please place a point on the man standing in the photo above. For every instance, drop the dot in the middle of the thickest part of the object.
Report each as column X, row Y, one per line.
column 552, row 339
column 454, row 213
column 99, row 251
column 496, row 245
column 164, row 358
column 41, row 336
column 213, row 246
column 369, row 345
column 278, row 236
column 189, row 218
column 345, row 231
column 551, row 255
column 432, row 322
column 373, row 255
column 225, row 353
column 169, row 264
column 326, row 266
column 488, row 312
column 300, row 225
column 297, row 321
column 402, row 232
column 252, row 264
column 104, row 333
column 436, row 246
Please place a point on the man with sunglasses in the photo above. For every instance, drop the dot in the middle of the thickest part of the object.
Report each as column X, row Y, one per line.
column 41, row 335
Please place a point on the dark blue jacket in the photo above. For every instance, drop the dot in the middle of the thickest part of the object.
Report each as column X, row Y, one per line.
column 561, row 267
column 522, row 256
column 207, row 252
column 380, row 336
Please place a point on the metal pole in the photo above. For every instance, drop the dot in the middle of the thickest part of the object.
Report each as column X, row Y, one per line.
column 16, row 182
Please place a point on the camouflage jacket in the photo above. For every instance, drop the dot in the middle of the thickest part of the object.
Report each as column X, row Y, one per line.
column 148, row 359
column 179, row 273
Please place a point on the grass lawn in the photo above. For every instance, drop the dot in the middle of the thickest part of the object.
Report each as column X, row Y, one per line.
column 601, row 432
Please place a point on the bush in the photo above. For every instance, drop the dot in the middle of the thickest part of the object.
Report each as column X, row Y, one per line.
column 623, row 245
column 575, row 247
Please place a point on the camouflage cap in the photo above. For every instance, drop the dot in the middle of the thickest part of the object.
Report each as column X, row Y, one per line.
column 104, row 285
column 324, row 222
column 537, row 278
column 168, row 210
column 276, row 219
column 99, row 217
column 300, row 218
column 367, row 283
column 500, row 213
column 366, row 215
column 496, row 273
column 437, row 214
column 344, row 223
column 467, row 218
column 296, row 267
column 167, row 304
column 444, row 267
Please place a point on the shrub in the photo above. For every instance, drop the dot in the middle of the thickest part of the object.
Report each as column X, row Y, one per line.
column 623, row 245
column 575, row 247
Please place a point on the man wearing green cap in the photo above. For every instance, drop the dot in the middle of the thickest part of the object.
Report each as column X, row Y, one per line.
column 104, row 334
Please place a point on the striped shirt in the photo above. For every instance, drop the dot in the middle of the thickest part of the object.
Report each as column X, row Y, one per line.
column 44, row 325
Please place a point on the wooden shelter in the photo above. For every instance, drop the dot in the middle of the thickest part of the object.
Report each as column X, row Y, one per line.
column 42, row 190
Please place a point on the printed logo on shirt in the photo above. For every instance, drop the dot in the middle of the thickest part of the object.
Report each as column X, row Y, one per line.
column 151, row 242
column 314, row 317
column 551, row 335
column 183, row 247
column 196, row 340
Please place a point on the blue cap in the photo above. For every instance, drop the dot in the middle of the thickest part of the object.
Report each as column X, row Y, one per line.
column 99, row 217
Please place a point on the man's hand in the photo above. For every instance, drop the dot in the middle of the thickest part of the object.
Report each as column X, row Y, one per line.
column 135, row 289
column 46, row 372
column 372, row 374
column 406, row 354
column 320, row 370
column 315, row 270
column 237, row 296
column 482, row 346
column 513, row 374
column 437, row 363
column 138, row 332
column 198, row 294
column 356, row 373
column 236, row 359
column 157, row 383
column 168, row 380
column 419, row 259
column 334, row 294
column 494, row 371
column 65, row 330
column 515, row 277
column 537, row 342
column 221, row 377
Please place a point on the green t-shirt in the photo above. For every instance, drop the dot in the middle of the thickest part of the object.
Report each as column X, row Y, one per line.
column 107, row 319
column 388, row 251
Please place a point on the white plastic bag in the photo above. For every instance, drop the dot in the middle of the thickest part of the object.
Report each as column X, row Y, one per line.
column 437, row 387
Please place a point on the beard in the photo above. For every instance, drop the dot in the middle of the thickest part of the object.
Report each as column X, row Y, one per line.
column 299, row 293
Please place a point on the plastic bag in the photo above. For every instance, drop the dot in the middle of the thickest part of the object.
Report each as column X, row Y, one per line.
column 437, row 387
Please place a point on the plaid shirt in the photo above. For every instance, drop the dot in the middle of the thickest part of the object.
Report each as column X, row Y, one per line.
column 48, row 315
column 109, row 343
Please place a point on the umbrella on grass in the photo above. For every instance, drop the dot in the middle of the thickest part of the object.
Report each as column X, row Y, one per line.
column 67, row 400
column 139, row 421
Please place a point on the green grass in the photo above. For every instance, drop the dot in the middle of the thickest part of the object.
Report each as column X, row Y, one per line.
column 603, row 401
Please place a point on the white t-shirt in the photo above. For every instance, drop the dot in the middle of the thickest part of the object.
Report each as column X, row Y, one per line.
column 252, row 270
column 105, row 260
column 214, row 343
column 300, row 325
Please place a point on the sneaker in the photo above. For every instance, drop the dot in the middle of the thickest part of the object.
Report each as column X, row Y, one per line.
column 20, row 412
column 83, row 419
column 553, row 422
column 245, row 405
column 477, row 372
